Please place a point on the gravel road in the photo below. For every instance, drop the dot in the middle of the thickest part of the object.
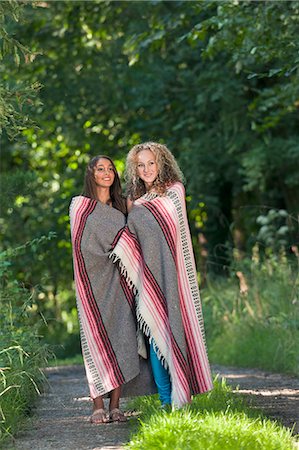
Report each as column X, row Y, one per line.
column 60, row 419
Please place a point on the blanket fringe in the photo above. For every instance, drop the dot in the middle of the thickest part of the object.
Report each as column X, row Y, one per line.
column 140, row 319
column 123, row 271
column 146, row 330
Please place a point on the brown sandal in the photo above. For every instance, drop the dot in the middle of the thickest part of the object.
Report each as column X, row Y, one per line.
column 99, row 416
column 116, row 415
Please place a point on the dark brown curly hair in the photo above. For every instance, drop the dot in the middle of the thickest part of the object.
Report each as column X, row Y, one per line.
column 90, row 190
column 168, row 170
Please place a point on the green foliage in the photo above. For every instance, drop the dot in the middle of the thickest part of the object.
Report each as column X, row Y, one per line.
column 21, row 381
column 16, row 97
column 11, row 10
column 256, row 314
column 265, row 52
column 274, row 229
column 196, row 75
column 62, row 330
column 225, row 103
column 217, row 420
column 184, row 430
column 220, row 398
column 22, row 353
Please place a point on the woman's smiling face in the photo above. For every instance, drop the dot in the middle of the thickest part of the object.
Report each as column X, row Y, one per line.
column 104, row 173
column 147, row 168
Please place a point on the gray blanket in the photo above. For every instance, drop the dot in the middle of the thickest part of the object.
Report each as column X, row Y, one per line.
column 105, row 305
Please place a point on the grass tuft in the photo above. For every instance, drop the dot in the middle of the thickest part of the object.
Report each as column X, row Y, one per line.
column 189, row 430
column 218, row 420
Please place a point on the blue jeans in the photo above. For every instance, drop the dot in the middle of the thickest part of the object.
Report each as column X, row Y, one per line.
column 161, row 377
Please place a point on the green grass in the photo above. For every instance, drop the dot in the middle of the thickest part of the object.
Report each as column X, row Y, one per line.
column 220, row 398
column 259, row 328
column 268, row 347
column 190, row 430
column 21, row 382
column 22, row 354
column 219, row 419
column 21, row 379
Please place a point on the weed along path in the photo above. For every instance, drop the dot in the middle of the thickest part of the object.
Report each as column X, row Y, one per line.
column 60, row 420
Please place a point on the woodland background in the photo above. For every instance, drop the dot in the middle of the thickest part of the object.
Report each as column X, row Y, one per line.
column 217, row 82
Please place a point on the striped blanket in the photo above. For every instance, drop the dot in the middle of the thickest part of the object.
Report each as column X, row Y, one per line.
column 105, row 306
column 155, row 254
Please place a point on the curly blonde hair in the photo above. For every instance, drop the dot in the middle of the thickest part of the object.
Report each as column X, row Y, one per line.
column 168, row 170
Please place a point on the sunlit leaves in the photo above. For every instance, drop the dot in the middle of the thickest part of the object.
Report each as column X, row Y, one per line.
column 15, row 97
column 267, row 50
column 220, row 92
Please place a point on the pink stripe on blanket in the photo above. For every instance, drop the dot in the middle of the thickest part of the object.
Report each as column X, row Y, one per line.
column 91, row 326
column 163, row 225
column 168, row 233
column 78, row 207
column 90, row 308
column 153, row 301
column 201, row 366
column 170, row 214
column 198, row 337
column 195, row 346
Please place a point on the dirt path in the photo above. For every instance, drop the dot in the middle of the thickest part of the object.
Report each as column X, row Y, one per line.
column 61, row 416
column 277, row 395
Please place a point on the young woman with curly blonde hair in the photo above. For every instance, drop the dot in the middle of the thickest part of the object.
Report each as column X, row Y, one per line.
column 155, row 253
column 168, row 171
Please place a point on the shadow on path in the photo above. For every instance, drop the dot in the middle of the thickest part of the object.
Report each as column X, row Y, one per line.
column 61, row 419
